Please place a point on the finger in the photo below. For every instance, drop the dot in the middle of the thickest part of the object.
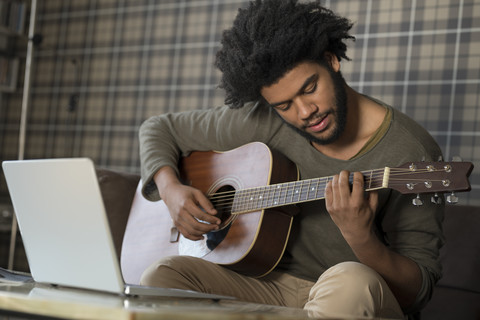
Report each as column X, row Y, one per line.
column 373, row 200
column 188, row 235
column 335, row 187
column 203, row 209
column 193, row 229
column 328, row 195
column 206, row 204
column 208, row 208
column 344, row 191
column 198, row 225
column 357, row 186
column 187, row 230
column 199, row 213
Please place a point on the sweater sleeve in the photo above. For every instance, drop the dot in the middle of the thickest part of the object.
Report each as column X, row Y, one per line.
column 165, row 138
column 415, row 231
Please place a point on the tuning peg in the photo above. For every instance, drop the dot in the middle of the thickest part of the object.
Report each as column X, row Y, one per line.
column 452, row 198
column 436, row 199
column 417, row 201
column 440, row 159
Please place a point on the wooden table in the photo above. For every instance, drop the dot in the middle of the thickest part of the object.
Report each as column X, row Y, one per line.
column 65, row 303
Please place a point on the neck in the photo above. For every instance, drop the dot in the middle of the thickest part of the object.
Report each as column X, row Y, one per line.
column 364, row 117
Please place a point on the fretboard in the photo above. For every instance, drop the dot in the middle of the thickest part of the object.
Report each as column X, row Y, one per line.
column 277, row 195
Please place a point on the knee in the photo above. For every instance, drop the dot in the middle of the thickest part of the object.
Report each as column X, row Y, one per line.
column 164, row 272
column 349, row 281
column 353, row 290
column 354, row 274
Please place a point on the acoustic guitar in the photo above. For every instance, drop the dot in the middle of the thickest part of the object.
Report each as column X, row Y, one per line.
column 256, row 206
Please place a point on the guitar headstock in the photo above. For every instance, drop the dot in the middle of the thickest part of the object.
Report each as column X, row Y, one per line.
column 430, row 177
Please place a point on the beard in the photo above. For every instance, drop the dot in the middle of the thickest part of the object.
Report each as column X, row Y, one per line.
column 339, row 111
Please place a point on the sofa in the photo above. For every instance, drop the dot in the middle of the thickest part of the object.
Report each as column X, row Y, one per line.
column 456, row 296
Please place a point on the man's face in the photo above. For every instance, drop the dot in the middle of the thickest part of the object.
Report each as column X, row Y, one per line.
column 312, row 99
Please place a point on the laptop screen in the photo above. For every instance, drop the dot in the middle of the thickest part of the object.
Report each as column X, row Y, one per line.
column 63, row 223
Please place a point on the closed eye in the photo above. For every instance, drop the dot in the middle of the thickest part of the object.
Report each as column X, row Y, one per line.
column 311, row 88
column 308, row 87
column 283, row 107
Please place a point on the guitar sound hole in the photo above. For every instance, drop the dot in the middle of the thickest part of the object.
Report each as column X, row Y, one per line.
column 223, row 203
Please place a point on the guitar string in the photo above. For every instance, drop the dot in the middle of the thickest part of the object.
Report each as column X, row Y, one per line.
column 224, row 200
column 286, row 187
column 321, row 181
column 294, row 184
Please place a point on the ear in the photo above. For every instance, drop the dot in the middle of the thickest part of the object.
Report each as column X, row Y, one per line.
column 332, row 61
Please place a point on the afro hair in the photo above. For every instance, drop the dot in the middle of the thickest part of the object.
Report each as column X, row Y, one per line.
column 269, row 38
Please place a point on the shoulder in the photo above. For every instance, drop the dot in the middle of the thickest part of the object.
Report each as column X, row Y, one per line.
column 409, row 131
column 254, row 111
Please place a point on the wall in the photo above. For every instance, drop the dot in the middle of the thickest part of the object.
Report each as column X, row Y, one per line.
column 106, row 65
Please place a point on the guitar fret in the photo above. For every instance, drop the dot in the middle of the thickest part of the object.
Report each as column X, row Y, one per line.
column 271, row 196
column 287, row 197
column 244, row 202
column 310, row 189
column 250, row 200
column 324, row 184
column 296, row 192
column 256, row 199
column 276, row 195
column 268, row 197
column 303, row 194
column 285, row 193
column 262, row 198
column 240, row 201
column 370, row 180
column 292, row 191
column 305, row 191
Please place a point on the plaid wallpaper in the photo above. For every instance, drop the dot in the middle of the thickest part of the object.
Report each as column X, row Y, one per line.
column 104, row 66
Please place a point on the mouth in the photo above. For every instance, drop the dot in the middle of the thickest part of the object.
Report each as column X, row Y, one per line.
column 318, row 124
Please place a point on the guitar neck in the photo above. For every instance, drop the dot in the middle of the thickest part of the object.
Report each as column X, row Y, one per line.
column 277, row 195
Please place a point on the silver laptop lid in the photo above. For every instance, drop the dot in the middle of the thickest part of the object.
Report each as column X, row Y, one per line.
column 63, row 223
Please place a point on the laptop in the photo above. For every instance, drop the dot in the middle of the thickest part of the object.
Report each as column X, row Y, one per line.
column 65, row 231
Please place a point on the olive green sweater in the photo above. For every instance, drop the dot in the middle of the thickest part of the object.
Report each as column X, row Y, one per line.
column 315, row 243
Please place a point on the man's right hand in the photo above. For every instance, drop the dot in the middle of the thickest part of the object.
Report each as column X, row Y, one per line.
column 191, row 211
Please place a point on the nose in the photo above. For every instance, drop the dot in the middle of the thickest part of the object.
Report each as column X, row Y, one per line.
column 305, row 108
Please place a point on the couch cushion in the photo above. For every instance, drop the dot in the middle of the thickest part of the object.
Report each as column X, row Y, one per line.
column 449, row 303
column 117, row 190
column 460, row 256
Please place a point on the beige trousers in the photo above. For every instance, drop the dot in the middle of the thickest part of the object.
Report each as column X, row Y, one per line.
column 346, row 290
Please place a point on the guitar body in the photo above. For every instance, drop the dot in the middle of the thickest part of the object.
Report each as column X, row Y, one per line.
column 250, row 243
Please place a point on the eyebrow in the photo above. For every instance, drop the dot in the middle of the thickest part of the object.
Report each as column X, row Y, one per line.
column 307, row 82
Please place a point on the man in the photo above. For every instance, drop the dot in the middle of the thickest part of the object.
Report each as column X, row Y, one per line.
column 352, row 255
